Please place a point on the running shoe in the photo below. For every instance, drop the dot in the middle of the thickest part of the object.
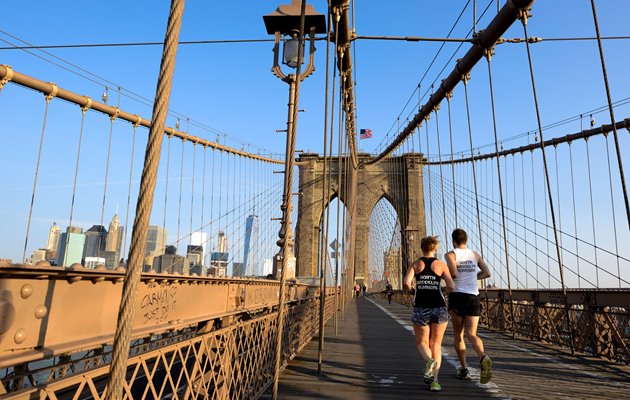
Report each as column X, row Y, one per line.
column 435, row 386
column 486, row 370
column 463, row 373
column 428, row 370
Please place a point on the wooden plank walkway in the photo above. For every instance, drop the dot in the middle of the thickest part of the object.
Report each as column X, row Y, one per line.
column 373, row 356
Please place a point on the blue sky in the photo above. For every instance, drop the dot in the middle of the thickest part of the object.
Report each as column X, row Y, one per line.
column 230, row 88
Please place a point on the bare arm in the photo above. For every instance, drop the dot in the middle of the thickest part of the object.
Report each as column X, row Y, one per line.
column 409, row 276
column 452, row 265
column 485, row 271
column 446, row 275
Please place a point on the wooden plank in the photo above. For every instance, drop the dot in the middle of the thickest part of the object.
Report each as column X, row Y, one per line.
column 374, row 357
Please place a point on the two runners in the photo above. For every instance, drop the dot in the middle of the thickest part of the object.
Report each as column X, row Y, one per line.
column 462, row 270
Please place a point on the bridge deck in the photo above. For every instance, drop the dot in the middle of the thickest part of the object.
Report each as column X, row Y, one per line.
column 374, row 357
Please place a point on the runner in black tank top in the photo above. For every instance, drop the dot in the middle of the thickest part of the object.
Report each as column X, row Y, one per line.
column 428, row 290
column 430, row 315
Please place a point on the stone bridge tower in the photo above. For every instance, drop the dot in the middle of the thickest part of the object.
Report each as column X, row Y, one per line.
column 397, row 179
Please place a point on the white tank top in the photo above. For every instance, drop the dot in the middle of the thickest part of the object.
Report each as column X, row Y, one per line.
column 467, row 268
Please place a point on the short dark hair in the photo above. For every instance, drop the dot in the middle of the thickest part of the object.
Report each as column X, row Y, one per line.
column 459, row 236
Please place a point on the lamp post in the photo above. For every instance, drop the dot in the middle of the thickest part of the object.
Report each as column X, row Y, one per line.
column 289, row 23
column 410, row 253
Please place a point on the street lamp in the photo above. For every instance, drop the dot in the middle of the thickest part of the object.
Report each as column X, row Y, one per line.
column 284, row 24
column 290, row 21
column 409, row 240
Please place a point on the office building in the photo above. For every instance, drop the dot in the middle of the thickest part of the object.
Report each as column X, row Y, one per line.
column 95, row 239
column 71, row 245
column 171, row 262
column 251, row 251
column 238, row 269
column 156, row 240
column 53, row 237
column 38, row 255
column 93, row 262
column 113, row 243
column 200, row 239
column 194, row 255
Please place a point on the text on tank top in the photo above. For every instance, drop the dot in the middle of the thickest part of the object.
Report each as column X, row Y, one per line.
column 428, row 289
column 467, row 268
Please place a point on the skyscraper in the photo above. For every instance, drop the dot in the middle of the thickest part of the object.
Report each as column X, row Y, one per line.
column 156, row 240
column 70, row 249
column 222, row 242
column 53, row 237
column 171, row 262
column 251, row 252
column 113, row 243
column 219, row 259
column 95, row 239
column 198, row 240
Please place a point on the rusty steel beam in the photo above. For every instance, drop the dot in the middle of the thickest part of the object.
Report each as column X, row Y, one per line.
column 585, row 134
column 485, row 40
column 50, row 89
column 40, row 307
column 230, row 361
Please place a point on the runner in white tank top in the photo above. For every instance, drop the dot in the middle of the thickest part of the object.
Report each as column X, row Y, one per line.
column 467, row 267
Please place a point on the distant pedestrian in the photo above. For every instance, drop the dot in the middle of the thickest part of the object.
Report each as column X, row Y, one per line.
column 364, row 290
column 430, row 315
column 389, row 291
column 467, row 267
column 357, row 289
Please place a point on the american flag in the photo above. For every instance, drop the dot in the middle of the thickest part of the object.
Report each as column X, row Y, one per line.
column 365, row 134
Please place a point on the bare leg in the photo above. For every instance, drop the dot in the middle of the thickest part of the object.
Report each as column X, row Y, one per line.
column 471, row 334
column 435, row 343
column 422, row 341
column 458, row 334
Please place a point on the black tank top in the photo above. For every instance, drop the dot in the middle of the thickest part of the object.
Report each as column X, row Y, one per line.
column 428, row 290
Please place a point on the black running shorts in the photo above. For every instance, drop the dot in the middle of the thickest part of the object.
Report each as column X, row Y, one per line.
column 464, row 304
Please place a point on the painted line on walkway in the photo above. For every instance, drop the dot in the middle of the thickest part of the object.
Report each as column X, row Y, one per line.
column 490, row 387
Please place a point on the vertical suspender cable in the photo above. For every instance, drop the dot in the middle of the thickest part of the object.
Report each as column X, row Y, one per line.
column 523, row 18
column 465, row 79
column 192, row 193
column 168, row 162
column 76, row 174
column 590, row 187
column 133, row 146
column 426, row 126
column 500, row 182
column 122, row 337
column 437, row 128
column 109, row 147
column 323, row 245
column 181, row 183
column 612, row 114
column 612, row 204
column 450, row 130
column 577, row 247
column 203, row 205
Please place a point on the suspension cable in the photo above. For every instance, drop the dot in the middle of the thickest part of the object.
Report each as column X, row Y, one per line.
column 126, row 232
column 612, row 114
column 168, row 163
column 523, row 17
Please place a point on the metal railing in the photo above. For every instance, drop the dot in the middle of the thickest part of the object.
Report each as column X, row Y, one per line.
column 229, row 353
column 599, row 318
